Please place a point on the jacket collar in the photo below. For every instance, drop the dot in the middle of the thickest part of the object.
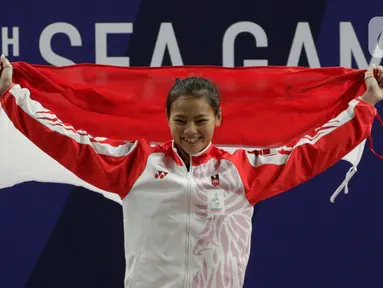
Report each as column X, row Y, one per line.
column 210, row 151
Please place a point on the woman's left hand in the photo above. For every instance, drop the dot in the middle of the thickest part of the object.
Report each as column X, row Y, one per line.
column 374, row 91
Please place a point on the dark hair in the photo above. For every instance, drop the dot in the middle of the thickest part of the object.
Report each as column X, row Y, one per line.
column 197, row 87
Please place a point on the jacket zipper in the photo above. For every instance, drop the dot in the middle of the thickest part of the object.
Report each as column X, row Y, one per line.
column 189, row 177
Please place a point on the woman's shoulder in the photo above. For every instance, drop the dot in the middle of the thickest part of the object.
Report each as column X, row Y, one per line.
column 227, row 149
column 228, row 152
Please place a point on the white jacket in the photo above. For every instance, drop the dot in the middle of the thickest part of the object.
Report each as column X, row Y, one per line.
column 183, row 228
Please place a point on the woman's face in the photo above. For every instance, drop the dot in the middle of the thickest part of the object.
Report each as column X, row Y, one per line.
column 192, row 122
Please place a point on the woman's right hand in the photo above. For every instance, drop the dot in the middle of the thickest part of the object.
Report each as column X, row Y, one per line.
column 6, row 73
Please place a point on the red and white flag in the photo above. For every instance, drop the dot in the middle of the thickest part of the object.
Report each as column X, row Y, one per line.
column 263, row 107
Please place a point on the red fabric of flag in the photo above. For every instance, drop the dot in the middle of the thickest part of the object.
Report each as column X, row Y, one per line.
column 262, row 106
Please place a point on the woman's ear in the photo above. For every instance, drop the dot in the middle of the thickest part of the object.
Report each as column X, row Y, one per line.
column 218, row 120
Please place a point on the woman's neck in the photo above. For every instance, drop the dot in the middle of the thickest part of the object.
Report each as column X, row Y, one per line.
column 184, row 156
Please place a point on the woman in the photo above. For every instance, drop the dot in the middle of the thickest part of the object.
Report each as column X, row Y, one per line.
column 187, row 204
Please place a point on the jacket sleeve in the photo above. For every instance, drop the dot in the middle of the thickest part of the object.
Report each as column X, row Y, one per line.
column 277, row 170
column 37, row 146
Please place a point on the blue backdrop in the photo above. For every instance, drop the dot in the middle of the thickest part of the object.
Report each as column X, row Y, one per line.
column 61, row 236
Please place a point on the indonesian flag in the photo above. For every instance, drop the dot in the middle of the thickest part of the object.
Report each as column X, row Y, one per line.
column 263, row 107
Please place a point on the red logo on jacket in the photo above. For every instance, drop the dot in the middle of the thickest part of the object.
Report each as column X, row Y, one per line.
column 161, row 174
column 215, row 180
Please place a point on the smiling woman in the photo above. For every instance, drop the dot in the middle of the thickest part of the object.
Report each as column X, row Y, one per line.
column 193, row 110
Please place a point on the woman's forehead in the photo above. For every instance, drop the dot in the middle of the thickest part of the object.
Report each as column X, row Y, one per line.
column 191, row 105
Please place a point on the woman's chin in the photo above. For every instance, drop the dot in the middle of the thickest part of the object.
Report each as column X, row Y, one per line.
column 193, row 148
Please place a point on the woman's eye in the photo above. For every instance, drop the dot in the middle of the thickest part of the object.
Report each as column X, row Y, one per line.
column 201, row 121
column 179, row 121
